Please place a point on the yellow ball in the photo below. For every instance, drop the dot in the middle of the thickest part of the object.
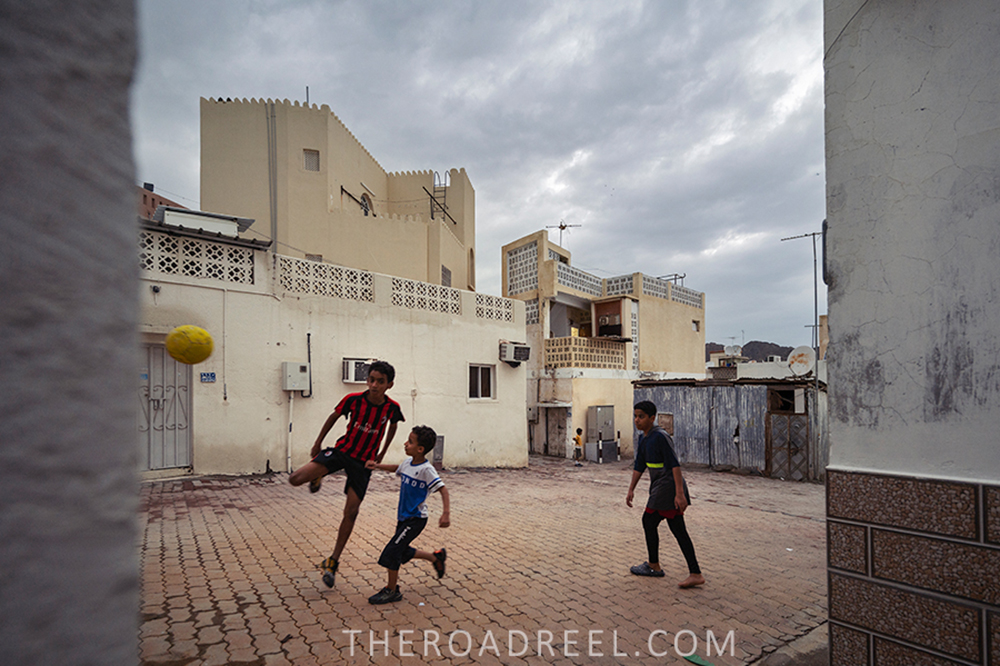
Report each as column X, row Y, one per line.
column 189, row 344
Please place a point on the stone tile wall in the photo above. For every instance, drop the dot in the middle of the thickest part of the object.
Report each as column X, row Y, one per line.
column 914, row 571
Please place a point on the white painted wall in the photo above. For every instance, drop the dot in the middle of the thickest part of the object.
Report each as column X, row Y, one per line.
column 913, row 175
column 240, row 422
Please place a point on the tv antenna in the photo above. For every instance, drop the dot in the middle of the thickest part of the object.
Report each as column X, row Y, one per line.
column 562, row 226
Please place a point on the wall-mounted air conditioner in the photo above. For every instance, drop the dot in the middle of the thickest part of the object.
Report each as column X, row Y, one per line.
column 514, row 352
column 355, row 370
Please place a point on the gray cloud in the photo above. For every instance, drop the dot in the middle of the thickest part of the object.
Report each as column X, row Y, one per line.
column 685, row 137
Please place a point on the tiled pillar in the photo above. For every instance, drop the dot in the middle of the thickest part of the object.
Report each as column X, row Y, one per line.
column 914, row 570
column 911, row 258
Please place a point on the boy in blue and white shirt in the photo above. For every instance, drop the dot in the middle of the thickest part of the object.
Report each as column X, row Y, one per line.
column 418, row 479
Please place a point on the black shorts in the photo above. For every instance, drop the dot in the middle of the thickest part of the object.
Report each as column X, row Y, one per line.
column 398, row 551
column 357, row 475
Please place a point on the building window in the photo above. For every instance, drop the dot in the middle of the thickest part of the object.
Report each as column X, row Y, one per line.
column 445, row 276
column 481, row 381
column 310, row 160
column 366, row 204
column 695, row 325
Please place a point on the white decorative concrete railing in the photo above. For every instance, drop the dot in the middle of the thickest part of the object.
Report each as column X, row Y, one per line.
column 618, row 286
column 415, row 295
column 574, row 278
column 302, row 276
column 522, row 268
column 652, row 286
column 494, row 307
column 687, row 296
column 193, row 257
column 573, row 352
column 161, row 253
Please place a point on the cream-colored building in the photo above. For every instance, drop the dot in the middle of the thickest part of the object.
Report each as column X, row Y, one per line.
column 590, row 337
column 270, row 315
column 314, row 188
column 359, row 272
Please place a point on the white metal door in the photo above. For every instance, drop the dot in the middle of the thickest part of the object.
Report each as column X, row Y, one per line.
column 164, row 411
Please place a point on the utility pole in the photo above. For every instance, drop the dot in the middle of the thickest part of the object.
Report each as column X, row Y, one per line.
column 814, row 418
column 815, row 335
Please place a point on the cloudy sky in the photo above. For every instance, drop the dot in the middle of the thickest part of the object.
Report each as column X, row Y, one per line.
column 681, row 136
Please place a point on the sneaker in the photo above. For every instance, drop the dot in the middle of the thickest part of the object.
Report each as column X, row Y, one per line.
column 315, row 484
column 441, row 556
column 645, row 570
column 386, row 596
column 329, row 567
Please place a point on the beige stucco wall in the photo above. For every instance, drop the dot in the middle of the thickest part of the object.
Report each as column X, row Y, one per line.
column 667, row 341
column 595, row 391
column 240, row 422
column 317, row 212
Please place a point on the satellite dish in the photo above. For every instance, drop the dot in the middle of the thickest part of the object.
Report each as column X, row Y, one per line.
column 730, row 350
column 737, row 350
column 802, row 360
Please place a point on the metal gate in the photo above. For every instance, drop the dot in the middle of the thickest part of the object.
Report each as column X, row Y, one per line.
column 164, row 411
column 788, row 457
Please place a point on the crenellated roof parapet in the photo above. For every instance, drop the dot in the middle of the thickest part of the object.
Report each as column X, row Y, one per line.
column 324, row 108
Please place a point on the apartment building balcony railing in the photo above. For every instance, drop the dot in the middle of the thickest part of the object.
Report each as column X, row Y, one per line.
column 574, row 352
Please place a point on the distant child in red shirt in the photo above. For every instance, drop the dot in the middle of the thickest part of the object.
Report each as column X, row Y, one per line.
column 370, row 415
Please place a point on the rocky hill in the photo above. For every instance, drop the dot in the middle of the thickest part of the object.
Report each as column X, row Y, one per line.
column 755, row 350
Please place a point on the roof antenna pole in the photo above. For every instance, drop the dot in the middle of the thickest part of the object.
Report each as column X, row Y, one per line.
column 562, row 226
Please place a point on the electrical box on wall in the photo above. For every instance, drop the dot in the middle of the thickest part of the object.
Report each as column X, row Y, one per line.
column 294, row 376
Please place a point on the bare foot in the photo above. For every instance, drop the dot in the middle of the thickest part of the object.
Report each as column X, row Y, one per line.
column 691, row 581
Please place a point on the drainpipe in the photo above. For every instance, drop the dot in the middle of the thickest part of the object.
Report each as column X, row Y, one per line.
column 288, row 448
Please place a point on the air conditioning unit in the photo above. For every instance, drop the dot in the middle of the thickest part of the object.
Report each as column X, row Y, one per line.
column 355, row 370
column 604, row 320
column 514, row 352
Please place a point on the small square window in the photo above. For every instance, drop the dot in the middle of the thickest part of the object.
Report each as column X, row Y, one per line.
column 695, row 325
column 481, row 381
column 310, row 160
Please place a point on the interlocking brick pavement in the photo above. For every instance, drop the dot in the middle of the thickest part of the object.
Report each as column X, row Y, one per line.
column 229, row 572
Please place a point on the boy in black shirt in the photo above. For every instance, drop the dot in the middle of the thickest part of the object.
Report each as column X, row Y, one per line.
column 668, row 495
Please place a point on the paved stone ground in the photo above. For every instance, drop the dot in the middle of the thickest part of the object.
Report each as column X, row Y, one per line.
column 229, row 572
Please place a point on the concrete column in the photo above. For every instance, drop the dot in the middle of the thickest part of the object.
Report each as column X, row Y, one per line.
column 913, row 210
column 68, row 270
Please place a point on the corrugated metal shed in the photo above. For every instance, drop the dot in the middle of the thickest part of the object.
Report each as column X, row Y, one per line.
column 724, row 424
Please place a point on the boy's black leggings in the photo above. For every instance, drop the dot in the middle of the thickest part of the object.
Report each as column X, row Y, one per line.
column 651, row 524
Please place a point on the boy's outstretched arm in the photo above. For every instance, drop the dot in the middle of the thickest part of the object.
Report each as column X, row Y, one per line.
column 389, row 434
column 371, row 464
column 446, row 508
column 330, row 420
column 636, row 475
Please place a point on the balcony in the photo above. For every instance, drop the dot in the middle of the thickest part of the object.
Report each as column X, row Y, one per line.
column 573, row 352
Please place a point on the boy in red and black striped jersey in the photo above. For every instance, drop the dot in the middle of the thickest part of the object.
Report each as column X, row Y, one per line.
column 370, row 415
